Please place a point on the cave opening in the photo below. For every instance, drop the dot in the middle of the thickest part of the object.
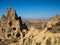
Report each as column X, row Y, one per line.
column 18, row 35
column 14, row 28
column 8, row 35
column 10, row 23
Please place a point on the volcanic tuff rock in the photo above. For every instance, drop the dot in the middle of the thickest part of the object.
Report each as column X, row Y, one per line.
column 50, row 35
column 54, row 23
column 11, row 26
column 15, row 32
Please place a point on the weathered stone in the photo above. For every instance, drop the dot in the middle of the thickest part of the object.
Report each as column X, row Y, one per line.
column 53, row 24
column 10, row 26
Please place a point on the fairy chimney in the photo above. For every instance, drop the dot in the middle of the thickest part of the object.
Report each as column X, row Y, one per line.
column 10, row 25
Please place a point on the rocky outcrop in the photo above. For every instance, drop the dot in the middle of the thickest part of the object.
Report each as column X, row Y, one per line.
column 53, row 24
column 11, row 26
column 15, row 32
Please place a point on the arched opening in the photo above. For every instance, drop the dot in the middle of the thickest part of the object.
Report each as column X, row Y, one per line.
column 18, row 35
column 9, row 35
column 14, row 28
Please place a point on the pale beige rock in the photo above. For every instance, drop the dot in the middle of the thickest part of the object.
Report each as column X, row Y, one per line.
column 10, row 27
column 15, row 32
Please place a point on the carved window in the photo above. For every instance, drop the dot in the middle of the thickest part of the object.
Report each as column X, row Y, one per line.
column 18, row 35
column 14, row 28
column 10, row 23
column 49, row 28
column 8, row 35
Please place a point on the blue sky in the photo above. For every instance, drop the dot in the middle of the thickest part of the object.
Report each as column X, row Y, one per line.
column 33, row 9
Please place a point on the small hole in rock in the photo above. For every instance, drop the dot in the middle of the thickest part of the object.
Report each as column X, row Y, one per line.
column 38, row 43
column 0, row 39
column 3, row 30
column 10, row 23
column 49, row 28
column 23, row 34
column 15, row 41
column 8, row 35
column 14, row 28
column 18, row 35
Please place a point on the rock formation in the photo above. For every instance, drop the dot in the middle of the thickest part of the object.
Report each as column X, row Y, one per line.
column 13, row 31
column 11, row 26
column 53, row 24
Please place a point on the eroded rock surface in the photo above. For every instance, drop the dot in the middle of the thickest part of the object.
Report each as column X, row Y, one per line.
column 11, row 27
column 15, row 32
